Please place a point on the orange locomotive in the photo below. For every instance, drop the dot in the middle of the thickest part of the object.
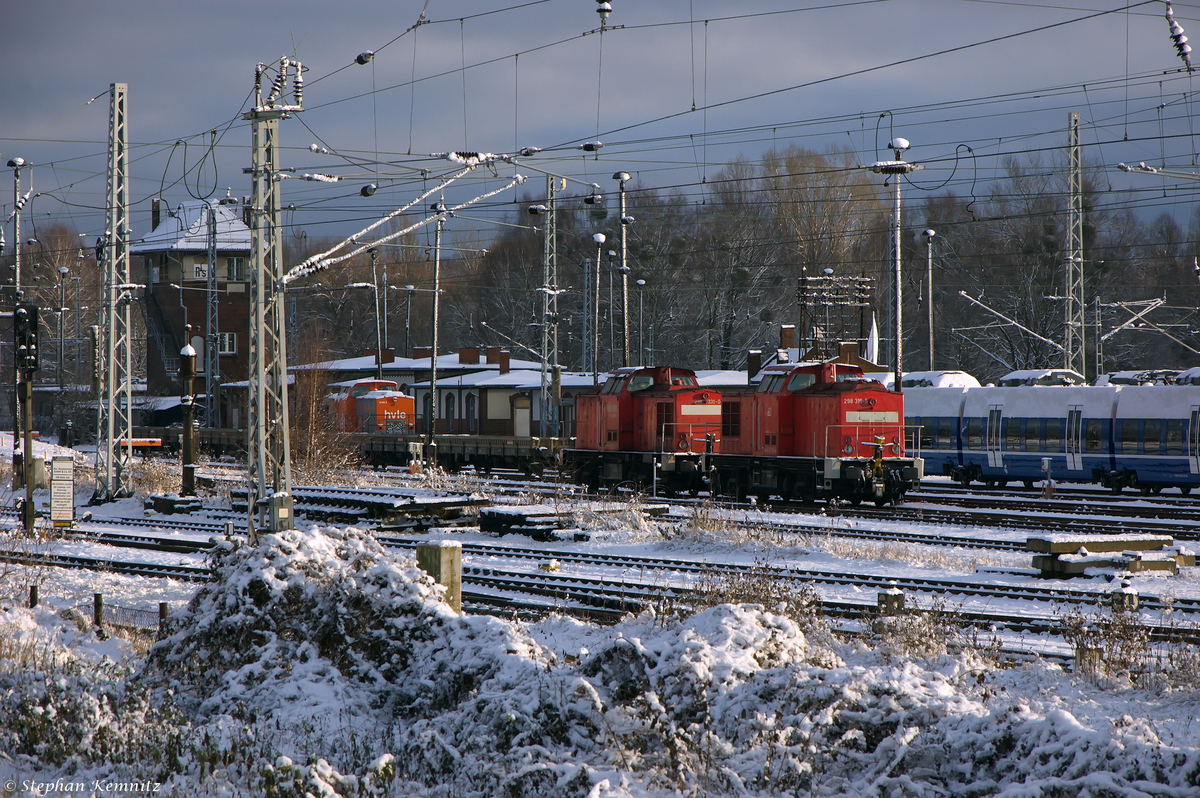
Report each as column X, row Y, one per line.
column 370, row 406
column 643, row 417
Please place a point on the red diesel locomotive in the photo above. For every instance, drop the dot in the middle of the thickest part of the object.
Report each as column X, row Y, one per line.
column 813, row 431
column 807, row 431
column 641, row 418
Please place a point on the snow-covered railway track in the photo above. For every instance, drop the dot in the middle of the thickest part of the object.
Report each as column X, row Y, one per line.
column 684, row 570
column 184, row 572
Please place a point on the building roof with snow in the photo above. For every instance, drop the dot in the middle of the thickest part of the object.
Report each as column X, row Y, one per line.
column 185, row 229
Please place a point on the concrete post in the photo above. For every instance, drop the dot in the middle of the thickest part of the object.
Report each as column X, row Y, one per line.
column 442, row 560
column 33, row 596
column 98, row 610
column 890, row 601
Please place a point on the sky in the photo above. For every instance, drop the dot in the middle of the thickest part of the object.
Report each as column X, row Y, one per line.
column 674, row 89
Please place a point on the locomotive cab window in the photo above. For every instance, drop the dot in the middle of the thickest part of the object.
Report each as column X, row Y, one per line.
column 613, row 386
column 801, row 380
column 731, row 419
column 771, row 383
column 640, row 382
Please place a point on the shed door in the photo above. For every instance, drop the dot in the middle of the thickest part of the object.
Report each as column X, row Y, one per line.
column 994, row 438
column 1074, row 438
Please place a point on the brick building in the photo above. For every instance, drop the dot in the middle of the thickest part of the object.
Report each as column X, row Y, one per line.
column 174, row 259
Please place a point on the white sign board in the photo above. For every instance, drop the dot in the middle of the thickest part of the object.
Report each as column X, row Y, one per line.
column 62, row 490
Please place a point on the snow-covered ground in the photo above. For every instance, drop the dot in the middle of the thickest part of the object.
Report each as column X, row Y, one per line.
column 320, row 663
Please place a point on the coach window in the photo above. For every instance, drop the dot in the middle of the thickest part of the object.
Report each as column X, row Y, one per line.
column 1012, row 434
column 1091, row 441
column 927, row 432
column 1035, row 435
column 1129, row 435
column 1054, row 434
column 1174, row 436
column 1152, row 436
column 943, row 433
column 974, row 433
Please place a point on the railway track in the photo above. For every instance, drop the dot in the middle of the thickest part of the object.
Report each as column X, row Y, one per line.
column 608, row 598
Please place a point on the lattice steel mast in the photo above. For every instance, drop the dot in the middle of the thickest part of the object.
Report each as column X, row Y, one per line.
column 269, row 488
column 1073, row 334
column 114, row 448
column 212, row 345
column 551, row 376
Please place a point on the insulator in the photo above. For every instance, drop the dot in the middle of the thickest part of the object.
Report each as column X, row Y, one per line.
column 280, row 80
column 258, row 73
column 298, row 84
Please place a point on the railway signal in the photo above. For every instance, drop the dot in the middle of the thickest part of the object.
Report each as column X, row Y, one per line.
column 25, row 330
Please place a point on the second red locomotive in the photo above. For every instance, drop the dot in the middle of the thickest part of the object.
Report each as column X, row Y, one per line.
column 806, row 431
column 813, row 431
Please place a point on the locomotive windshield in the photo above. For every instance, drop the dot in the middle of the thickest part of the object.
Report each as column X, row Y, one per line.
column 640, row 382
column 801, row 380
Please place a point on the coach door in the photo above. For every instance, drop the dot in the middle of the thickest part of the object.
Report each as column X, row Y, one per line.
column 994, row 439
column 1074, row 438
column 1193, row 437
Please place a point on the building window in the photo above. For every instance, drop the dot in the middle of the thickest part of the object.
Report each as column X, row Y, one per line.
column 236, row 269
column 227, row 343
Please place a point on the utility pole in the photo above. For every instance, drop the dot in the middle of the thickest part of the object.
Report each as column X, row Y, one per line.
column 114, row 447
column 431, row 442
column 18, row 204
column 269, row 489
column 897, row 169
column 187, row 377
column 378, row 314
column 626, row 220
column 25, row 340
column 1074, row 333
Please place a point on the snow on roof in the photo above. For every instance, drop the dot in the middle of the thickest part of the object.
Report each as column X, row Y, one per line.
column 521, row 379
column 1041, row 377
column 720, row 378
column 186, row 229
column 938, row 379
column 447, row 362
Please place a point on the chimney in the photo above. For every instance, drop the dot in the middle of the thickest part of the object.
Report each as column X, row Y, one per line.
column 502, row 359
column 420, row 352
column 848, row 354
column 155, row 213
column 493, row 354
column 753, row 363
column 468, row 356
column 389, row 356
column 787, row 336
